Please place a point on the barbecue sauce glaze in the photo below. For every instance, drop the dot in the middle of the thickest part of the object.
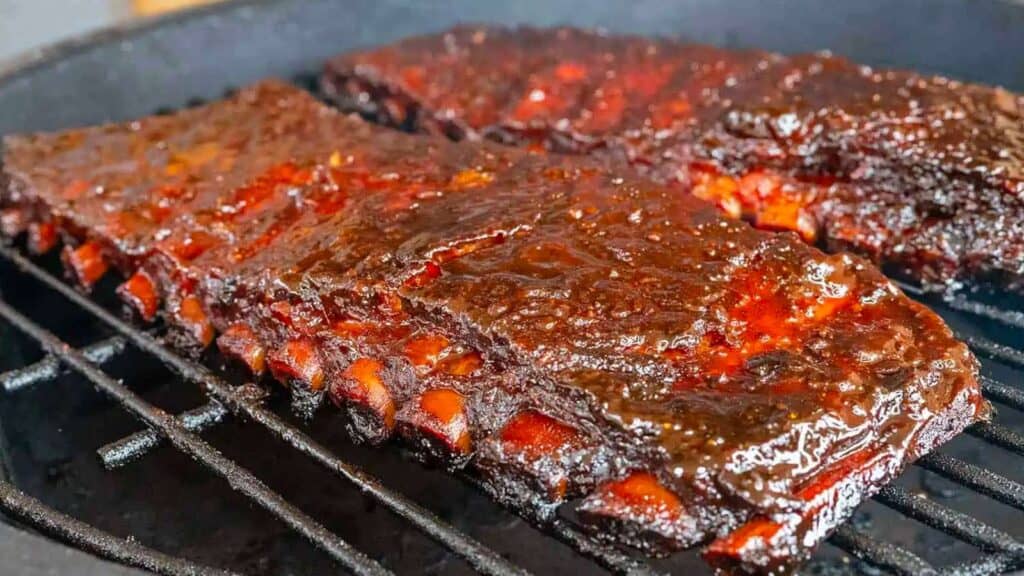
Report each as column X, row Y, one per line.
column 559, row 327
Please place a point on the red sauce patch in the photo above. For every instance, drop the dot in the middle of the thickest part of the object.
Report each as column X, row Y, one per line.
column 534, row 435
column 638, row 499
column 190, row 315
column 732, row 545
column 249, row 250
column 461, row 365
column 667, row 113
column 642, row 494
column 570, row 71
column 186, row 249
column 471, row 178
column 86, row 263
column 427, row 274
column 42, row 237
column 297, row 360
column 75, row 189
column 442, row 414
column 140, row 293
column 351, row 328
column 363, row 385
column 425, row 351
column 239, row 342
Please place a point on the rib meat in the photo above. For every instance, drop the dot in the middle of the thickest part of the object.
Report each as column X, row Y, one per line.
column 920, row 173
column 560, row 329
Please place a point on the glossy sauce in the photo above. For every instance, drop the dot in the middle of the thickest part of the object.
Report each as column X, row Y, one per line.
column 922, row 173
column 438, row 290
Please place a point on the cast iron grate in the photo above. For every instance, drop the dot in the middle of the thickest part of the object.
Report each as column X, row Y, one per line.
column 1002, row 551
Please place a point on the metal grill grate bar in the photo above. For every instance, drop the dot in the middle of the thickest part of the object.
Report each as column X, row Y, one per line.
column 131, row 448
column 961, row 303
column 477, row 555
column 20, row 505
column 976, row 478
column 998, row 391
column 605, row 555
column 239, row 478
column 985, row 566
column 134, row 446
column 952, row 522
column 994, row 350
column 999, row 435
column 49, row 368
column 881, row 554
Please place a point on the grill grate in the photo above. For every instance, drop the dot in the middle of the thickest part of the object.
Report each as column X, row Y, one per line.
column 96, row 541
column 241, row 479
column 1003, row 551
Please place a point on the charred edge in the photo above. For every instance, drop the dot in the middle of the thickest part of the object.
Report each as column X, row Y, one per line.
column 778, row 542
column 385, row 103
column 85, row 263
column 42, row 237
column 645, row 512
column 239, row 343
column 536, row 453
column 140, row 293
column 193, row 322
column 361, row 392
column 297, row 361
column 438, row 424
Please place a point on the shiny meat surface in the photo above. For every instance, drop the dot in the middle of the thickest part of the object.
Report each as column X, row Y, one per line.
column 559, row 328
column 920, row 173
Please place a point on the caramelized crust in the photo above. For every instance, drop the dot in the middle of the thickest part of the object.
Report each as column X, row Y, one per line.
column 921, row 173
column 193, row 321
column 440, row 416
column 241, row 343
column 639, row 505
column 85, row 263
column 297, row 360
column 42, row 237
column 548, row 322
column 537, row 449
column 141, row 294
column 362, row 389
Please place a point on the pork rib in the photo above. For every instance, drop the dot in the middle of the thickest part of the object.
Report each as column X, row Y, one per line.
column 920, row 173
column 560, row 329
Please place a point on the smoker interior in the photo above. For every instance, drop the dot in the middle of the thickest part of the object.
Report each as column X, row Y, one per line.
column 50, row 431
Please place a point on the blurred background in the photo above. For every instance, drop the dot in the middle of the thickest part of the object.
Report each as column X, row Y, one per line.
column 26, row 25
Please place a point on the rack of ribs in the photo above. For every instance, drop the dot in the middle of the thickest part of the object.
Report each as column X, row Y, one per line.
column 561, row 330
column 922, row 174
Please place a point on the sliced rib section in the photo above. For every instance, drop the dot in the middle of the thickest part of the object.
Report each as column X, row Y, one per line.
column 921, row 173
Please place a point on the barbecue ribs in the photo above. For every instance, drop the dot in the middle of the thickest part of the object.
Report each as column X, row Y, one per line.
column 922, row 174
column 562, row 330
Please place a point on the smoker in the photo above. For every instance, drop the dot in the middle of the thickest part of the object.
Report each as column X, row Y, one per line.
column 114, row 444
